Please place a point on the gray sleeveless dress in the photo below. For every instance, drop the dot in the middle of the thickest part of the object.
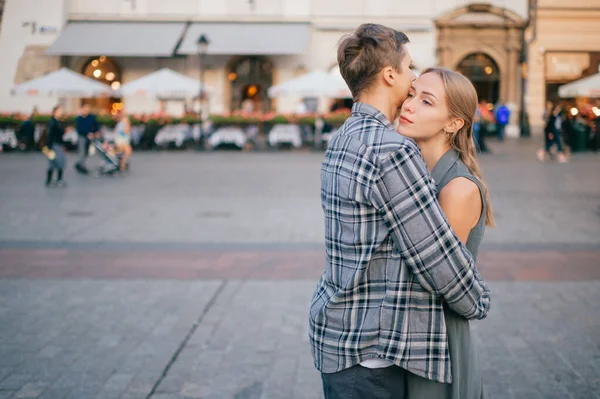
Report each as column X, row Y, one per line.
column 466, row 374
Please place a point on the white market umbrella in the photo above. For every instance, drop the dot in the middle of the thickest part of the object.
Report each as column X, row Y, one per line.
column 586, row 87
column 63, row 83
column 314, row 84
column 163, row 84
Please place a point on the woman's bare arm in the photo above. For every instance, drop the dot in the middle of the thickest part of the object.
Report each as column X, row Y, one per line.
column 461, row 202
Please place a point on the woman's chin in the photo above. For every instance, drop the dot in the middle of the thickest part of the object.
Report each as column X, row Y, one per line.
column 402, row 132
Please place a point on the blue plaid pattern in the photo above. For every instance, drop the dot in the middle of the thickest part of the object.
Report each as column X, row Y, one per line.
column 392, row 259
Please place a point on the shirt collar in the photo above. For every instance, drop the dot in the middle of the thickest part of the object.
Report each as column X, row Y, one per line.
column 366, row 109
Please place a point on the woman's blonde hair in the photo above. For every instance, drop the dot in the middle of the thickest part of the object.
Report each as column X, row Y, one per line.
column 461, row 98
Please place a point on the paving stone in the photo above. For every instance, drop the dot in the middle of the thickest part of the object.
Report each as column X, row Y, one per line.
column 31, row 390
column 127, row 289
column 276, row 207
column 15, row 381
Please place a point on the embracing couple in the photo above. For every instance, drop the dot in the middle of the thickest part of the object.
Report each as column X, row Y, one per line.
column 405, row 211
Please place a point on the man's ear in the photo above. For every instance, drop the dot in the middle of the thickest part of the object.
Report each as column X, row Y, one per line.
column 454, row 125
column 389, row 75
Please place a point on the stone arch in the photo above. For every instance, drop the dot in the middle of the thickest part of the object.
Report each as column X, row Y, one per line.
column 477, row 49
column 484, row 73
column 480, row 15
column 86, row 66
column 499, row 33
column 258, row 78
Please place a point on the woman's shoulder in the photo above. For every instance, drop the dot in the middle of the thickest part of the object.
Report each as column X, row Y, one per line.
column 461, row 188
column 461, row 184
column 461, row 170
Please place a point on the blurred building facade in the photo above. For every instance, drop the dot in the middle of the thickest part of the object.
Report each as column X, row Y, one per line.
column 253, row 43
column 564, row 39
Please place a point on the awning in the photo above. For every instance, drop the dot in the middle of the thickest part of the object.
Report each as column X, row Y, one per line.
column 314, row 84
column 163, row 84
column 586, row 87
column 130, row 39
column 63, row 83
column 245, row 38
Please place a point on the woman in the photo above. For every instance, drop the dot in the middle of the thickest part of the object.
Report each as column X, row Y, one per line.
column 438, row 115
column 123, row 141
column 53, row 148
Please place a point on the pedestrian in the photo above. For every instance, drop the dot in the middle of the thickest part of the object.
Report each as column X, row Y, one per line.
column 502, row 119
column 53, row 148
column 27, row 132
column 477, row 130
column 485, row 119
column 123, row 141
column 87, row 128
column 552, row 135
column 392, row 259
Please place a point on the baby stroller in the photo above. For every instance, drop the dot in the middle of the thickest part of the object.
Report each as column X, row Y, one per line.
column 111, row 158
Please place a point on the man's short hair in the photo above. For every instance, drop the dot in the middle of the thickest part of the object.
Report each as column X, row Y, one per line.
column 364, row 53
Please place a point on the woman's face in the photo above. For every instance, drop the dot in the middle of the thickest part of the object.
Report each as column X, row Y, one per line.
column 424, row 114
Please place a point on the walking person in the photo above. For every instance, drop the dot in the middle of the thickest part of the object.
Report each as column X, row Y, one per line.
column 392, row 259
column 477, row 130
column 502, row 119
column 27, row 132
column 87, row 127
column 438, row 115
column 123, row 141
column 53, row 148
column 552, row 136
column 485, row 120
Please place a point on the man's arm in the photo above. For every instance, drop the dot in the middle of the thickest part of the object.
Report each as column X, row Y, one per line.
column 406, row 195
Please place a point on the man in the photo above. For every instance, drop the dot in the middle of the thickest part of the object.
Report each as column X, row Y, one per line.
column 376, row 318
column 486, row 119
column 87, row 128
column 27, row 132
column 502, row 118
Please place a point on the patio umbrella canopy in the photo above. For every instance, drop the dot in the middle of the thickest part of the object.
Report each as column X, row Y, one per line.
column 586, row 87
column 163, row 84
column 63, row 83
column 314, row 84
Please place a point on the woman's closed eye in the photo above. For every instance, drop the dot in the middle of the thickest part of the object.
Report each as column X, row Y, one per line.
column 427, row 102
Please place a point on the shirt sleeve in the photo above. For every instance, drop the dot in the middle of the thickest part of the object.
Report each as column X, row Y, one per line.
column 407, row 198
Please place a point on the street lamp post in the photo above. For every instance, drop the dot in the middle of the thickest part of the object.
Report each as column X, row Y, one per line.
column 203, row 43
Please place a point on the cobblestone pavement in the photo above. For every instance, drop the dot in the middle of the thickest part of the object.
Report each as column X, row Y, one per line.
column 248, row 339
column 191, row 278
column 272, row 199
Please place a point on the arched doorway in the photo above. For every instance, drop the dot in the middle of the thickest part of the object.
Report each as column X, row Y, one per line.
column 250, row 78
column 107, row 71
column 483, row 71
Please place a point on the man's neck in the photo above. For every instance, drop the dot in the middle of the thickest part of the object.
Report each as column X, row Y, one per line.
column 432, row 152
column 382, row 103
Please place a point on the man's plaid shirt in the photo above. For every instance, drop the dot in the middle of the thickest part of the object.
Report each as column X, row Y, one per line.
column 392, row 258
